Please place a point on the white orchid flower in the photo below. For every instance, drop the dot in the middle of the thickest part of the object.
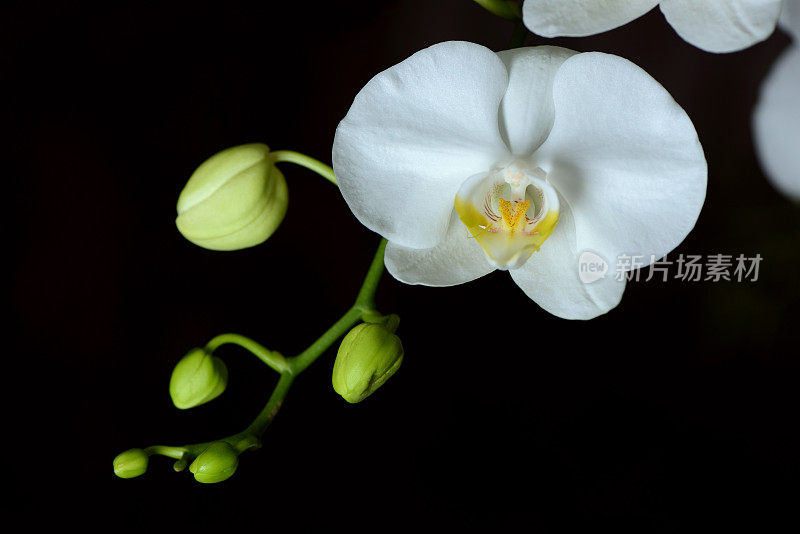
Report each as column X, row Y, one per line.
column 776, row 121
column 713, row 25
column 469, row 161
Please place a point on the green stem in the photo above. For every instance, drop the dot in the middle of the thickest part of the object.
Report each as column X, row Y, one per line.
column 308, row 162
column 364, row 306
column 366, row 296
column 165, row 450
column 274, row 359
column 300, row 362
column 289, row 368
column 260, row 424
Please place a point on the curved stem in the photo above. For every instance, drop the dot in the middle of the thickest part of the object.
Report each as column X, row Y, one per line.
column 260, row 424
column 366, row 295
column 242, row 441
column 274, row 359
column 308, row 162
column 364, row 306
column 289, row 368
column 165, row 450
column 299, row 363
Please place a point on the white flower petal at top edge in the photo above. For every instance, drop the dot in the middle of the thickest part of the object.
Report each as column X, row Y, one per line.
column 414, row 133
column 579, row 18
column 625, row 156
column 776, row 124
column 722, row 25
column 712, row 25
column 565, row 295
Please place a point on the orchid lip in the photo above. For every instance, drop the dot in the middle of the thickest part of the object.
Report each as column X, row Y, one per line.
column 509, row 211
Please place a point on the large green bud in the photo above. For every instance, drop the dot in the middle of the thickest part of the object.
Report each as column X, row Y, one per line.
column 197, row 379
column 369, row 354
column 215, row 464
column 131, row 463
column 235, row 199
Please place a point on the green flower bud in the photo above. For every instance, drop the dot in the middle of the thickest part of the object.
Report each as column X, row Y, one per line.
column 215, row 464
column 197, row 379
column 130, row 463
column 502, row 8
column 369, row 354
column 235, row 199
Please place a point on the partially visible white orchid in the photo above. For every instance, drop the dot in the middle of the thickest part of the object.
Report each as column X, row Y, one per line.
column 776, row 121
column 713, row 25
column 469, row 161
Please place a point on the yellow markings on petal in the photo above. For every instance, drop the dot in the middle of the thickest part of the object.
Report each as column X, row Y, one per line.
column 476, row 222
column 545, row 228
column 509, row 244
column 513, row 212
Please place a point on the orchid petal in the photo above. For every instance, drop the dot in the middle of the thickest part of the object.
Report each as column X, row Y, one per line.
column 455, row 260
column 722, row 25
column 414, row 133
column 526, row 113
column 550, row 278
column 578, row 18
column 789, row 20
column 777, row 124
column 625, row 156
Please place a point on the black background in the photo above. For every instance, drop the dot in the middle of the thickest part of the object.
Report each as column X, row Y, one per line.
column 677, row 408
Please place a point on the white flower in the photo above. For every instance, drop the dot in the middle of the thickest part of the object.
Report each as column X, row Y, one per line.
column 468, row 161
column 713, row 25
column 776, row 121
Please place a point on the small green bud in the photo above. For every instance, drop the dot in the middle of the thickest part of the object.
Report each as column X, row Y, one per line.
column 235, row 199
column 502, row 8
column 197, row 379
column 369, row 354
column 130, row 463
column 215, row 464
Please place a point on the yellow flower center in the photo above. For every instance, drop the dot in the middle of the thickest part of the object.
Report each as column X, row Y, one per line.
column 510, row 213
column 513, row 212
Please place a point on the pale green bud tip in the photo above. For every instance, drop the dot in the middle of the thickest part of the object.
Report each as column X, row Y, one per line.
column 368, row 356
column 502, row 8
column 215, row 464
column 198, row 378
column 130, row 463
column 235, row 199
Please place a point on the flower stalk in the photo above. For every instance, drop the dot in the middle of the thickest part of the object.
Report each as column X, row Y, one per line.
column 362, row 310
column 290, row 156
